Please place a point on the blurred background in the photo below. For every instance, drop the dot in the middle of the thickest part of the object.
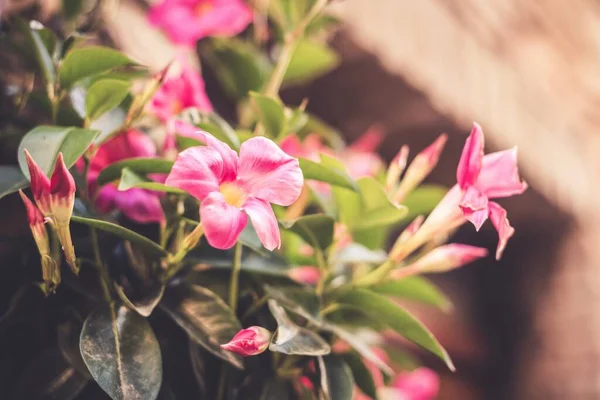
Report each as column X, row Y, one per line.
column 525, row 327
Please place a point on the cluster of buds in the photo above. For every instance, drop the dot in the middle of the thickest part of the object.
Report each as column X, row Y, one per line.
column 54, row 198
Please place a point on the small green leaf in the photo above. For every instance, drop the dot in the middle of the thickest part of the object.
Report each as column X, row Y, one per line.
column 271, row 113
column 89, row 61
column 214, row 124
column 423, row 200
column 130, row 179
column 414, row 288
column 362, row 375
column 104, row 95
column 122, row 353
column 123, row 233
column 138, row 165
column 11, row 180
column 45, row 142
column 340, row 382
column 49, row 39
column 42, row 55
column 293, row 339
column 385, row 311
column 326, row 173
column 206, row 319
column 310, row 61
column 315, row 229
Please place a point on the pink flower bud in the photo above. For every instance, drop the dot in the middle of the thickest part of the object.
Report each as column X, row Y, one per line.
column 308, row 274
column 250, row 341
column 420, row 384
column 62, row 189
column 396, row 168
column 441, row 259
column 40, row 185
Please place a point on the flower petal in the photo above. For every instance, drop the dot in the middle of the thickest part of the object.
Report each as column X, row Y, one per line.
column 140, row 205
column 369, row 141
column 222, row 223
column 474, row 206
column 268, row 173
column 505, row 231
column 198, row 171
column 470, row 162
column 499, row 176
column 264, row 221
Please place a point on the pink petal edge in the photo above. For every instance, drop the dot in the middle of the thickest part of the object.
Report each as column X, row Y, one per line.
column 222, row 223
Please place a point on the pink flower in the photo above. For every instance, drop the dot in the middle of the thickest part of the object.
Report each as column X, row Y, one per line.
column 482, row 178
column 139, row 205
column 187, row 21
column 420, row 384
column 307, row 274
column 233, row 187
column 442, row 259
column 180, row 92
column 250, row 341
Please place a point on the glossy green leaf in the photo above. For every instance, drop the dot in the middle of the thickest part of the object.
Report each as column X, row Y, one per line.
column 123, row 233
column 315, row 229
column 185, row 142
column 122, row 353
column 42, row 55
column 423, row 200
column 293, row 339
column 11, row 180
column 339, row 379
column 414, row 288
column 299, row 300
column 271, row 113
column 310, row 61
column 326, row 173
column 45, row 142
column 206, row 319
column 214, row 124
column 385, row 311
column 145, row 305
column 104, row 95
column 296, row 119
column 88, row 61
column 361, row 374
column 130, row 179
column 138, row 165
column 48, row 37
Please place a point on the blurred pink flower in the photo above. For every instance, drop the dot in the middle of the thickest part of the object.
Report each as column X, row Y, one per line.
column 442, row 259
column 187, row 21
column 420, row 384
column 180, row 92
column 233, row 187
column 139, row 205
column 250, row 341
column 307, row 274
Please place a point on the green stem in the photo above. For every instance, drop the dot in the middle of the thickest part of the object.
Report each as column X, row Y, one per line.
column 222, row 381
column 235, row 276
column 104, row 278
column 254, row 308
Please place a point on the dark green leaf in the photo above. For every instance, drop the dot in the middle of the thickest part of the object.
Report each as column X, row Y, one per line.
column 43, row 57
column 45, row 142
column 271, row 113
column 205, row 317
column 49, row 39
column 214, row 124
column 385, row 311
column 293, row 339
column 145, row 305
column 72, row 8
column 423, row 199
column 89, row 61
column 325, row 173
column 362, row 375
column 296, row 299
column 104, row 95
column 138, row 165
column 315, row 229
column 11, row 180
column 248, row 238
column 123, row 233
column 122, row 353
column 340, row 383
column 130, row 179
column 310, row 61
column 414, row 288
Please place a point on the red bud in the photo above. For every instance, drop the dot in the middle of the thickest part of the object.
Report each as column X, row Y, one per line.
column 249, row 342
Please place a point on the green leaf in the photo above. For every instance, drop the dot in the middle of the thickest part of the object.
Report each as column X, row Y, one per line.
column 138, row 165
column 206, row 319
column 423, row 200
column 296, row 119
column 123, row 233
column 145, row 305
column 310, row 61
column 88, row 61
column 105, row 95
column 331, row 135
column 271, row 113
column 130, row 179
column 11, row 180
column 414, row 288
column 315, row 229
column 326, row 173
column 49, row 39
column 248, row 238
column 296, row 299
column 43, row 57
column 339, row 379
column 72, row 8
column 45, row 142
column 214, row 124
column 293, row 339
column 361, row 374
column 122, row 353
column 385, row 311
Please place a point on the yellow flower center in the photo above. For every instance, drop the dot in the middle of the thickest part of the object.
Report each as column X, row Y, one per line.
column 176, row 106
column 233, row 194
column 203, row 8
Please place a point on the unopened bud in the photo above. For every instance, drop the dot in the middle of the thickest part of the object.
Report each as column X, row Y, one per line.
column 396, row 168
column 308, row 274
column 250, row 341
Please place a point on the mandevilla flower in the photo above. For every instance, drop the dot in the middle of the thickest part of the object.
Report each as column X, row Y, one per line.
column 55, row 198
column 250, row 341
column 180, row 92
column 187, row 21
column 139, row 205
column 231, row 188
column 420, row 384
